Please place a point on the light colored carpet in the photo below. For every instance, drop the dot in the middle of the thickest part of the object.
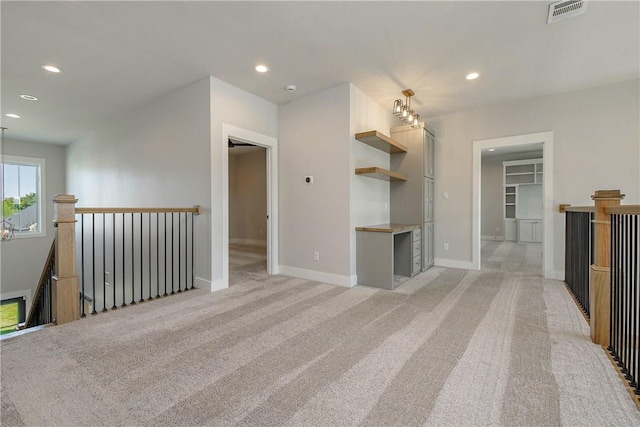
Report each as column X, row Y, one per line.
column 448, row 347
column 511, row 257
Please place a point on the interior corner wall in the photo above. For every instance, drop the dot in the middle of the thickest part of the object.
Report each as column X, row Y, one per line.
column 369, row 198
column 596, row 144
column 22, row 259
column 236, row 107
column 248, row 197
column 314, row 140
column 156, row 155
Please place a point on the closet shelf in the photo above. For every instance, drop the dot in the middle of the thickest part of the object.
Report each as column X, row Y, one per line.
column 382, row 142
column 380, row 173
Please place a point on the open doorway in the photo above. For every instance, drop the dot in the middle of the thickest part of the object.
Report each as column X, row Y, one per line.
column 545, row 229
column 247, row 210
column 511, row 209
column 220, row 237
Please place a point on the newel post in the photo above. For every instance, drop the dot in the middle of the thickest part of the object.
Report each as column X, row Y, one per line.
column 65, row 291
column 600, row 281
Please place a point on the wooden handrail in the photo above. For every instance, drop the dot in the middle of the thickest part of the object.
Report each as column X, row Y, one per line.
column 569, row 208
column 41, row 283
column 195, row 209
column 623, row 209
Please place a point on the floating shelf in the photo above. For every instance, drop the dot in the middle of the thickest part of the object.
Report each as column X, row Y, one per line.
column 382, row 142
column 379, row 173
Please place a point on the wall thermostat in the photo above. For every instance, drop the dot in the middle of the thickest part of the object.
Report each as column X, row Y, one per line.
column 308, row 179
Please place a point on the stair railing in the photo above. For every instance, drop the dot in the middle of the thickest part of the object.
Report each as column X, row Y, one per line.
column 131, row 255
column 40, row 312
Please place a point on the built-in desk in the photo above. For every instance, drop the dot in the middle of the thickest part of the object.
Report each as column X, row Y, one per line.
column 385, row 250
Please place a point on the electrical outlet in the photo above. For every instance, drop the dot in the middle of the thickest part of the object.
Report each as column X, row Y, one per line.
column 316, row 256
column 445, row 246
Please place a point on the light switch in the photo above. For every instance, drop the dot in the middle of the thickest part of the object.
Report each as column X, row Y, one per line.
column 445, row 195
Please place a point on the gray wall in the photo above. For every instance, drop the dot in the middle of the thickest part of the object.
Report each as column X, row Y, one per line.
column 248, row 195
column 317, row 137
column 596, row 146
column 22, row 260
column 491, row 191
column 154, row 156
column 314, row 140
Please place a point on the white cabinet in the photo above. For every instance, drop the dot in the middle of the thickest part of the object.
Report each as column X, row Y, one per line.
column 529, row 230
column 510, row 230
column 522, row 198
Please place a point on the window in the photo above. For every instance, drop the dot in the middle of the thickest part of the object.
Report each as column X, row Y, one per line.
column 12, row 313
column 22, row 190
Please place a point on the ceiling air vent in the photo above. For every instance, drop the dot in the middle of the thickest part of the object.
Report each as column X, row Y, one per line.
column 565, row 9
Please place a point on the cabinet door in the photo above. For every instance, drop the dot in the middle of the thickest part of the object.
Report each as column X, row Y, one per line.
column 428, row 200
column 537, row 231
column 428, row 154
column 427, row 246
column 510, row 234
column 525, row 231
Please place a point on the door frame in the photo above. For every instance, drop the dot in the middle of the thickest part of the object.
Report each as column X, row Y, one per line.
column 271, row 145
column 546, row 138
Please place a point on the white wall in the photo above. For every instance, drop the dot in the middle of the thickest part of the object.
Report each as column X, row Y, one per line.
column 234, row 107
column 314, row 140
column 369, row 198
column 596, row 146
column 248, row 196
column 22, row 259
column 154, row 156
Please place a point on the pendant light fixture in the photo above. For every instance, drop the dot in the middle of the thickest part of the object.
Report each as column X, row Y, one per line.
column 403, row 109
column 7, row 232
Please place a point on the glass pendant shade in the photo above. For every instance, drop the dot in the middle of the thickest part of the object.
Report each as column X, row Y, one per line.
column 397, row 107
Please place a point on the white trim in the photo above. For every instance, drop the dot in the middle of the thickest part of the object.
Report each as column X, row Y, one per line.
column 557, row 275
column 319, row 276
column 248, row 242
column 454, row 263
column 546, row 138
column 219, row 284
column 271, row 144
column 41, row 190
column 25, row 293
column 498, row 238
column 201, row 283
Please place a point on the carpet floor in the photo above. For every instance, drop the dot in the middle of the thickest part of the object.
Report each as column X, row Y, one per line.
column 448, row 347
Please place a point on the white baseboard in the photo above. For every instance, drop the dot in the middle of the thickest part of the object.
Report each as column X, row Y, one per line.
column 556, row 275
column 498, row 238
column 454, row 263
column 318, row 276
column 212, row 286
column 248, row 242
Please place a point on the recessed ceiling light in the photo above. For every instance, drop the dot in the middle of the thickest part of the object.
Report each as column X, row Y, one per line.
column 51, row 68
column 492, row 149
column 29, row 97
column 472, row 76
column 12, row 115
column 261, row 68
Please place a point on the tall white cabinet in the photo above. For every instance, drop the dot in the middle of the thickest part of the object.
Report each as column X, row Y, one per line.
column 412, row 202
column 522, row 200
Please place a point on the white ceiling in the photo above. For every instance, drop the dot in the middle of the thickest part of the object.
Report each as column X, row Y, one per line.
column 119, row 55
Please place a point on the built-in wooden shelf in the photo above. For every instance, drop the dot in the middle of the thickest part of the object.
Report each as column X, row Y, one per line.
column 380, row 173
column 381, row 141
column 388, row 228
